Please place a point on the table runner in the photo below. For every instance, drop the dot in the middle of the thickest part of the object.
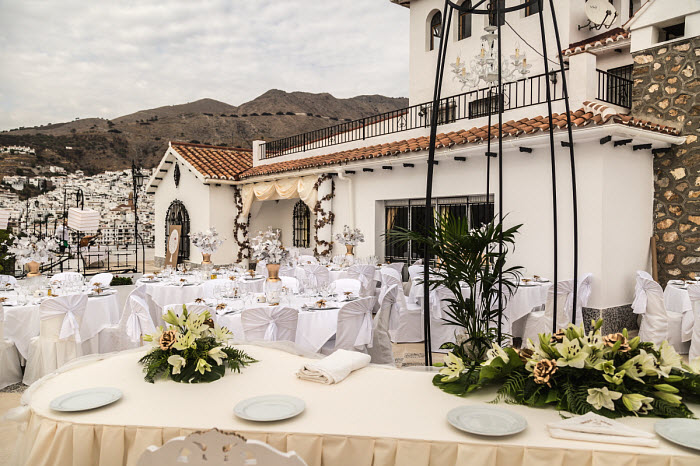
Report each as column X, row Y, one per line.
column 377, row 416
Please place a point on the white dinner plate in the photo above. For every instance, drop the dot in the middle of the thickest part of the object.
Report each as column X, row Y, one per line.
column 486, row 420
column 684, row 432
column 528, row 284
column 268, row 408
column 83, row 400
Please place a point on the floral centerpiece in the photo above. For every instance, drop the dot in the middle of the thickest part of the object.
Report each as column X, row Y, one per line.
column 268, row 247
column 32, row 251
column 581, row 372
column 207, row 242
column 191, row 349
column 350, row 237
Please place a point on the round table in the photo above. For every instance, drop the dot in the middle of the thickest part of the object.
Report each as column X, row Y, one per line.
column 377, row 416
column 22, row 322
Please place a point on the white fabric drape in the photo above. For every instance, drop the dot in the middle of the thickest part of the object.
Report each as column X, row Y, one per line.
column 270, row 323
column 286, row 188
column 381, row 350
column 139, row 321
column 694, row 325
column 649, row 300
column 72, row 308
column 355, row 325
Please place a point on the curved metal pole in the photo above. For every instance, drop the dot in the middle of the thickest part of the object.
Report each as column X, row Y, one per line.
column 553, row 164
column 565, row 93
column 428, row 219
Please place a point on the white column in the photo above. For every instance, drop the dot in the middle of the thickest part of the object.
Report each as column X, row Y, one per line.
column 324, row 218
column 583, row 79
column 258, row 152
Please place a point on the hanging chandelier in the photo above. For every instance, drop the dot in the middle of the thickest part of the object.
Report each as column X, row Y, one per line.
column 484, row 65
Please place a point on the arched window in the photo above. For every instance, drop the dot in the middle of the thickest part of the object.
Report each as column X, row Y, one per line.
column 177, row 215
column 301, row 223
column 435, row 30
column 464, row 25
column 499, row 12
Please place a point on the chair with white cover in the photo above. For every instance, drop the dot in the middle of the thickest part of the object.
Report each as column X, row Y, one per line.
column 407, row 326
column 398, row 266
column 541, row 321
column 318, row 275
column 270, row 323
column 583, row 295
column 694, row 328
column 382, row 350
column 59, row 339
column 217, row 448
column 354, row 331
column 415, row 271
column 365, row 274
column 101, row 279
column 192, row 308
column 136, row 321
column 291, row 283
column 649, row 301
column 440, row 331
column 306, row 259
column 8, row 279
column 343, row 285
column 62, row 276
column 10, row 360
column 288, row 271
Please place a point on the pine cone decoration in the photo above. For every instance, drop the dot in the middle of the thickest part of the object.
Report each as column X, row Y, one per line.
column 612, row 338
column 167, row 339
column 557, row 337
column 544, row 370
column 525, row 354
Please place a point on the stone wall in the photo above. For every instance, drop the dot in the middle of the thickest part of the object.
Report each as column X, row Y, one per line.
column 666, row 90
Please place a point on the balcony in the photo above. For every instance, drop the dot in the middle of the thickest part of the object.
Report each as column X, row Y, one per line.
column 615, row 86
column 473, row 104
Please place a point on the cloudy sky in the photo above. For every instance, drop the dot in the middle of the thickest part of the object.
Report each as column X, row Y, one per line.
column 62, row 59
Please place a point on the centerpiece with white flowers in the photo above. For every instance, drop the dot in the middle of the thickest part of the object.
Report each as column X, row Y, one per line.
column 581, row 372
column 32, row 251
column 350, row 237
column 207, row 242
column 191, row 349
column 268, row 247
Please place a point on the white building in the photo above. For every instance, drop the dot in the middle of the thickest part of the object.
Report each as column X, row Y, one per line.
column 371, row 174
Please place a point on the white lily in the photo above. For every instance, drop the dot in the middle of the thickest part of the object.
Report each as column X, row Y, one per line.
column 602, row 398
column 185, row 341
column 178, row 362
column 694, row 365
column 453, row 368
column 217, row 354
column 203, row 366
column 572, row 354
column 221, row 333
column 496, row 352
column 637, row 403
column 639, row 366
column 668, row 359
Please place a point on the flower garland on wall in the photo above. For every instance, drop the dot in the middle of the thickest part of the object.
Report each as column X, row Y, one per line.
column 323, row 218
column 240, row 228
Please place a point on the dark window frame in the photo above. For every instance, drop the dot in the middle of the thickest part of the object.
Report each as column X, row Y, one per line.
column 492, row 13
column 532, row 9
column 301, row 225
column 464, row 23
column 435, row 20
column 177, row 215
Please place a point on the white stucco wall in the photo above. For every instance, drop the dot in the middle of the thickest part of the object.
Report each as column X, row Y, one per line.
column 222, row 211
column 645, row 26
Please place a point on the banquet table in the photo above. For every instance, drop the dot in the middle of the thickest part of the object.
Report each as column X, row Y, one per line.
column 22, row 322
column 377, row 416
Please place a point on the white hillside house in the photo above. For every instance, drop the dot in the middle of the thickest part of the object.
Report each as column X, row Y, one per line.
column 371, row 173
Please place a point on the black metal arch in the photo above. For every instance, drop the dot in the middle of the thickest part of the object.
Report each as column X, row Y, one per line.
column 301, row 225
column 473, row 8
column 177, row 215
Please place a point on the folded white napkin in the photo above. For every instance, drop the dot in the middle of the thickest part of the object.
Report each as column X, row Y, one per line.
column 334, row 368
column 593, row 427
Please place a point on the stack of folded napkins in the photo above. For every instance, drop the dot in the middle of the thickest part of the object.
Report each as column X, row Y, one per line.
column 333, row 368
column 593, row 427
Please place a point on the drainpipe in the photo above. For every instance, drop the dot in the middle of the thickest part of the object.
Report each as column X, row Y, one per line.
column 351, row 195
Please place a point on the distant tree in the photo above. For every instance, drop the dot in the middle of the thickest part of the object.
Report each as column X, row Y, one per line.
column 254, row 114
column 309, row 114
column 244, row 115
column 234, row 115
column 290, row 113
column 19, row 172
column 194, row 141
column 279, row 113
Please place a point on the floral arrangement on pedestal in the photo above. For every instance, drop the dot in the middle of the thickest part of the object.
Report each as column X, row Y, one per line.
column 207, row 241
column 191, row 349
column 267, row 247
column 581, row 372
column 350, row 236
column 32, row 249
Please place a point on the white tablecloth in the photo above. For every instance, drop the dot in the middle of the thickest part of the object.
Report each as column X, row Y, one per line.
column 377, row 416
column 677, row 299
column 22, row 322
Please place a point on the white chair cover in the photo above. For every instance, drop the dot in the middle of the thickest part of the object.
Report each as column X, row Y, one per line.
column 355, row 326
column 649, row 301
column 288, row 271
column 644, row 274
column 317, row 274
column 103, row 279
column 583, row 295
column 415, row 271
column 398, row 266
column 306, row 259
column 71, row 307
column 10, row 368
column 365, row 274
column 138, row 322
column 270, row 323
column 343, row 285
column 406, row 325
column 63, row 275
column 440, row 331
column 382, row 350
column 290, row 282
column 694, row 292
column 541, row 321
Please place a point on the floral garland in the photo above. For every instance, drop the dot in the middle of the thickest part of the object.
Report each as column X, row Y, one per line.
column 323, row 218
column 240, row 229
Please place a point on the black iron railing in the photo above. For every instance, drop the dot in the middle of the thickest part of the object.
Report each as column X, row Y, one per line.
column 614, row 89
column 473, row 104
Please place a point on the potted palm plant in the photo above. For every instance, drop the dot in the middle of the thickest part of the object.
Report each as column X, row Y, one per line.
column 475, row 258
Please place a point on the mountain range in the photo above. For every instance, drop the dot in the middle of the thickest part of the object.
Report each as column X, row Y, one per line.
column 97, row 144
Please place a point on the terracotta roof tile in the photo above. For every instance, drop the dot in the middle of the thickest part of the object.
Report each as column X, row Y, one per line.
column 616, row 35
column 591, row 113
column 214, row 162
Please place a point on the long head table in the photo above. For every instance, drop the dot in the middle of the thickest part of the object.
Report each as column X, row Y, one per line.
column 377, row 416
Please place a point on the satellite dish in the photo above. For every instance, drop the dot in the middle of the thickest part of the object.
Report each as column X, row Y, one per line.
column 600, row 12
